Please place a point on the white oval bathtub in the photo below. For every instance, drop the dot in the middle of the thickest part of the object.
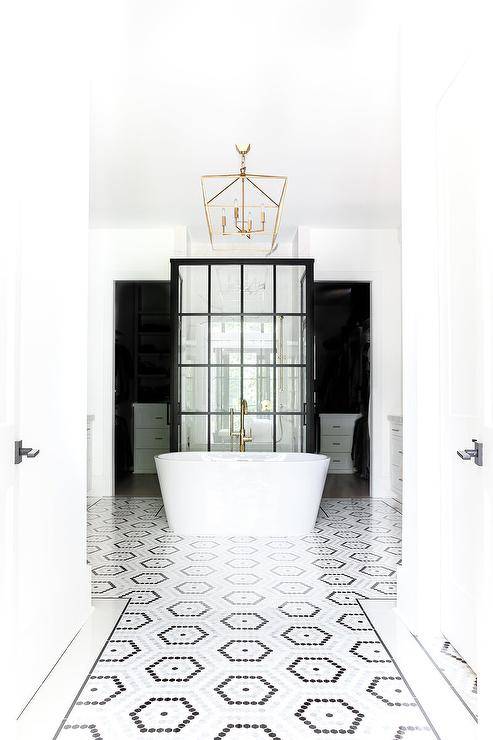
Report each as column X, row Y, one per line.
column 249, row 493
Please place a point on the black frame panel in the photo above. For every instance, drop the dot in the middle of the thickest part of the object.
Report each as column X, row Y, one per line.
column 176, row 263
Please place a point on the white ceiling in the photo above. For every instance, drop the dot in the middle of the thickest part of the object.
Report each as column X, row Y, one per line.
column 313, row 85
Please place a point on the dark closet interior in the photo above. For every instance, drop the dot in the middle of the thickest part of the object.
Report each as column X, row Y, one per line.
column 343, row 378
column 142, row 382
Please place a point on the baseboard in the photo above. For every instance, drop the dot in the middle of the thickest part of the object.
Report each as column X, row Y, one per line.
column 48, row 707
column 380, row 487
column 440, row 704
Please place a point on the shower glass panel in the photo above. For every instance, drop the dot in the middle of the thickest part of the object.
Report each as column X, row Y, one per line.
column 258, row 388
column 225, row 340
column 194, row 297
column 241, row 331
column 258, row 289
column 193, row 388
column 258, row 340
column 225, row 289
column 194, row 331
column 225, row 388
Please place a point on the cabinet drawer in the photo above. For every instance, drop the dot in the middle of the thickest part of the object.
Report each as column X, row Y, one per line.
column 396, row 460
column 144, row 460
column 396, row 451
column 151, row 438
column 331, row 424
column 336, row 444
column 150, row 415
column 341, row 461
column 396, row 445
column 396, row 478
column 396, row 429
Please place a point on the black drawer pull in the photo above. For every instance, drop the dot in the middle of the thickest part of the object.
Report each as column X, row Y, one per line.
column 336, row 426
column 395, row 430
column 336, row 444
column 158, row 417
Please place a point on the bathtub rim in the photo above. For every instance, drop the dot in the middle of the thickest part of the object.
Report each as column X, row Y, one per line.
column 231, row 457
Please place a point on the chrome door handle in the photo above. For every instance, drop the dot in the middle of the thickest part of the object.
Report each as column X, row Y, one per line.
column 20, row 452
column 475, row 454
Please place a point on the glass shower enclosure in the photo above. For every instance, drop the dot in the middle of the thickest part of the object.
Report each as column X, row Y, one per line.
column 242, row 331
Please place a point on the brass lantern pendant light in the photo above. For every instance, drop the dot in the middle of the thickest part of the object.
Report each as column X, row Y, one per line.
column 244, row 205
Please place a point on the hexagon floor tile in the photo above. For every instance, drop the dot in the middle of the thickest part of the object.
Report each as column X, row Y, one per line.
column 245, row 638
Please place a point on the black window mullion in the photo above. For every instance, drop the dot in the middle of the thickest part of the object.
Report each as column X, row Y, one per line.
column 242, row 348
column 274, row 357
column 305, row 314
column 209, row 270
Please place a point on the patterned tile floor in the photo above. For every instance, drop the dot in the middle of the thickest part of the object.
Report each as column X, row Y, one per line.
column 244, row 638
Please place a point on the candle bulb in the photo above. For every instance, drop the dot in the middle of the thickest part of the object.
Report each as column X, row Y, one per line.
column 237, row 210
column 223, row 219
column 250, row 222
column 262, row 216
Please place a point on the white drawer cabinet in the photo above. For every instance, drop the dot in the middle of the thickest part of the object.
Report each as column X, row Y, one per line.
column 337, row 424
column 396, row 454
column 150, row 415
column 337, row 443
column 151, row 438
column 336, row 440
column 151, row 435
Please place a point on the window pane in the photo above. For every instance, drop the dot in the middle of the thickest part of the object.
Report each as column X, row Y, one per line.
column 257, row 388
column 261, row 433
column 220, row 439
column 193, row 433
column 258, row 290
column 194, row 340
column 288, row 288
column 194, row 389
column 258, row 340
column 193, row 289
column 225, row 388
column 288, row 340
column 225, row 289
column 225, row 340
column 289, row 433
column 288, row 388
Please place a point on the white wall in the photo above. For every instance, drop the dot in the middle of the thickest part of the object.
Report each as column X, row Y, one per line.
column 372, row 255
column 117, row 254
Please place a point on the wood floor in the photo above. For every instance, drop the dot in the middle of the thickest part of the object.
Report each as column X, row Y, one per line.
column 140, row 484
column 345, row 486
column 336, row 486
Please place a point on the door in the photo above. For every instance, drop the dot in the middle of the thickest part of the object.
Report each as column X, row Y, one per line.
column 466, row 339
column 241, row 334
column 43, row 353
column 8, row 384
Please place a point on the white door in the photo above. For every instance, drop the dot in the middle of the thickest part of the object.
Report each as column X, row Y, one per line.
column 466, row 345
column 43, row 355
column 8, row 380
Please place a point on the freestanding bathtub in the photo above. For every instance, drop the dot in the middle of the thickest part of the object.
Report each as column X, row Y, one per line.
column 248, row 493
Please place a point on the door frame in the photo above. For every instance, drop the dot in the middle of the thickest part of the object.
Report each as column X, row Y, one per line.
column 371, row 416
column 114, row 282
column 308, row 264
